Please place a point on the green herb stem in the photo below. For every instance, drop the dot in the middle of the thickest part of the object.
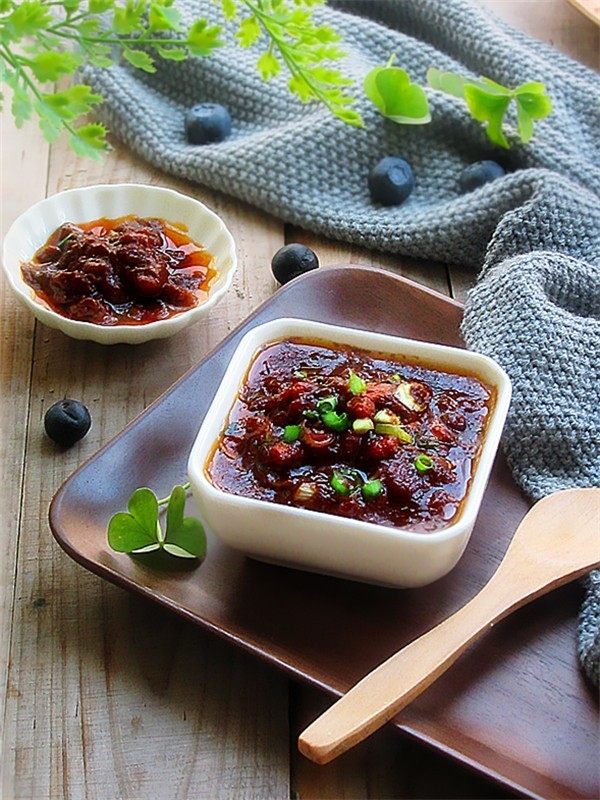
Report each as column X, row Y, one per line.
column 12, row 60
column 273, row 27
column 165, row 500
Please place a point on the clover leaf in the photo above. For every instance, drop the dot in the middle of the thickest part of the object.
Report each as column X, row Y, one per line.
column 532, row 103
column 185, row 536
column 447, row 82
column 488, row 107
column 396, row 97
column 489, row 102
column 138, row 530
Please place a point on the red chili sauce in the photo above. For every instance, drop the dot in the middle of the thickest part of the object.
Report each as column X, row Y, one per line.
column 126, row 271
column 353, row 433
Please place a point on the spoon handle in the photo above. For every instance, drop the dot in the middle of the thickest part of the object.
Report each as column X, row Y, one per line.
column 381, row 694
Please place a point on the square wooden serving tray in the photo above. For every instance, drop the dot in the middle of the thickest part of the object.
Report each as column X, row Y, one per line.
column 515, row 707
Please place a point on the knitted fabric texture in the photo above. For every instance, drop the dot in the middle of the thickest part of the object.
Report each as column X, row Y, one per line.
column 534, row 234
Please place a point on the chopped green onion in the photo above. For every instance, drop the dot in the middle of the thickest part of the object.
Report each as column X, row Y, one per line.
column 423, row 463
column 291, row 433
column 339, row 484
column 356, row 384
column 394, row 430
column 396, row 377
column 299, row 373
column 362, row 425
column 387, row 417
column 336, row 422
column 310, row 413
column 327, row 404
column 372, row 489
column 65, row 240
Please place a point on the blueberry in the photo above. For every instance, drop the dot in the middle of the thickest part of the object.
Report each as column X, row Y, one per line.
column 206, row 123
column 67, row 421
column 391, row 181
column 293, row 260
column 477, row 174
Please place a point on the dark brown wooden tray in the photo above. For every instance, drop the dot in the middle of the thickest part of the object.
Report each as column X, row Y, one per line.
column 515, row 707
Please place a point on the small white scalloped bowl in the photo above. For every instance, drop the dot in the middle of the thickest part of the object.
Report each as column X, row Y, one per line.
column 33, row 228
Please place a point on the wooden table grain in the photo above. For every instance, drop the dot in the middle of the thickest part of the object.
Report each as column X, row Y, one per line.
column 103, row 695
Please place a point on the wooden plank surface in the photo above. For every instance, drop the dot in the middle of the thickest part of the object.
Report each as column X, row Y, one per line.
column 114, row 699
column 105, row 696
column 23, row 183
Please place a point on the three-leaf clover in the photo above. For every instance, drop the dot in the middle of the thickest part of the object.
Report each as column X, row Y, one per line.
column 489, row 102
column 396, row 97
column 138, row 530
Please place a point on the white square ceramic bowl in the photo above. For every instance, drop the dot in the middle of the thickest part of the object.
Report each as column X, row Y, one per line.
column 326, row 543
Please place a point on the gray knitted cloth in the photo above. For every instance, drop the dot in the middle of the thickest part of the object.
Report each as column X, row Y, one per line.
column 534, row 234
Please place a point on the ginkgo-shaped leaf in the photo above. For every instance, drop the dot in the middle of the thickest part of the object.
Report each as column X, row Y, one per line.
column 185, row 536
column 448, row 82
column 136, row 530
column 396, row 97
column 488, row 107
column 532, row 103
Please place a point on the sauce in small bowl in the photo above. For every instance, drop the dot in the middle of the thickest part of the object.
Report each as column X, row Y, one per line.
column 124, row 271
column 353, row 433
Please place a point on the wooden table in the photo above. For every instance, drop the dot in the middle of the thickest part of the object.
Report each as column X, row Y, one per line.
column 105, row 696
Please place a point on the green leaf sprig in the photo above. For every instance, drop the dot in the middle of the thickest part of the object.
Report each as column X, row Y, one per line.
column 489, row 102
column 138, row 530
column 296, row 41
column 42, row 41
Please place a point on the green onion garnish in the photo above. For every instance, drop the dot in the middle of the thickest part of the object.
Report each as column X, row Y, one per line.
column 299, row 373
column 326, row 404
column 362, row 425
column 291, row 433
column 423, row 463
column 396, row 377
column 356, row 384
column 386, row 416
column 310, row 414
column 394, row 430
column 372, row 489
column 339, row 484
column 65, row 240
column 336, row 422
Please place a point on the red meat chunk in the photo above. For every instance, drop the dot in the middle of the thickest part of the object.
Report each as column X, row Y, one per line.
column 454, row 420
column 379, row 447
column 178, row 296
column 144, row 273
column 361, row 407
column 66, row 287
column 283, row 455
column 88, row 309
column 402, row 481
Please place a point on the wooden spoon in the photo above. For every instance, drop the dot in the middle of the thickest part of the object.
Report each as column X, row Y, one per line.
column 557, row 541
